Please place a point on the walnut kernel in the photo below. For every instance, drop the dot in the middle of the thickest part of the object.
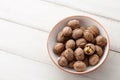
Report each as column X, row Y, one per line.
column 89, row 49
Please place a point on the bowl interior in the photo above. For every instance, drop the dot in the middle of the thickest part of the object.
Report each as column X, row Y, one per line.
column 85, row 21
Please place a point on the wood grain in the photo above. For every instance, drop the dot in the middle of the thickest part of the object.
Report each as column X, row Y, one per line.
column 43, row 16
column 17, row 68
column 31, row 44
column 23, row 41
column 24, row 29
column 104, row 8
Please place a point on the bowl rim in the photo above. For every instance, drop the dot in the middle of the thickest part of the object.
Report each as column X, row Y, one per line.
column 62, row 68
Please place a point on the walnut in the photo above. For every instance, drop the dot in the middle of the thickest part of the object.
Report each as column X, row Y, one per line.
column 68, row 54
column 62, row 61
column 60, row 37
column 67, row 31
column 93, row 29
column 101, row 41
column 79, row 54
column 94, row 59
column 83, row 28
column 81, row 42
column 70, row 65
column 93, row 41
column 77, row 33
column 88, row 35
column 79, row 47
column 67, row 38
column 79, row 66
column 70, row 44
column 74, row 24
column 86, row 61
column 89, row 49
column 99, row 50
column 58, row 48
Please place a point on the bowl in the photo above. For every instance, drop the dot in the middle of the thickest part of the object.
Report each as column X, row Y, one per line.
column 85, row 21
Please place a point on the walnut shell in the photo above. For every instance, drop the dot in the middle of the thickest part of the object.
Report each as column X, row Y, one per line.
column 67, row 38
column 93, row 60
column 89, row 49
column 74, row 24
column 101, row 41
column 83, row 28
column 70, row 65
column 62, row 54
column 79, row 54
column 99, row 50
column 67, row 31
column 70, row 44
column 62, row 61
column 86, row 61
column 68, row 54
column 58, row 48
column 79, row 66
column 81, row 42
column 60, row 37
column 88, row 35
column 93, row 41
column 94, row 30
column 77, row 33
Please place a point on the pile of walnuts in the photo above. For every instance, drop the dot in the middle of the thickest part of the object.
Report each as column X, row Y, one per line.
column 79, row 47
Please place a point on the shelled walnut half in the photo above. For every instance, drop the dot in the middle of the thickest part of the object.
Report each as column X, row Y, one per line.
column 89, row 49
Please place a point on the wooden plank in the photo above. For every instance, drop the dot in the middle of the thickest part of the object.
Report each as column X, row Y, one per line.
column 110, row 69
column 23, row 41
column 30, row 44
column 33, row 13
column 17, row 68
column 109, row 10
column 43, row 15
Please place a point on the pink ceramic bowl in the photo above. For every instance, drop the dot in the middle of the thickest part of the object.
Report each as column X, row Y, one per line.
column 85, row 21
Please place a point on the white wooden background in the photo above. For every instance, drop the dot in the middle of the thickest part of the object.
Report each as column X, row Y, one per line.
column 24, row 28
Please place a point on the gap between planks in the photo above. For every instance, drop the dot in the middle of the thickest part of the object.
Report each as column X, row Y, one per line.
column 38, row 61
column 29, row 26
column 50, row 64
column 77, row 9
column 25, row 25
column 34, row 59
